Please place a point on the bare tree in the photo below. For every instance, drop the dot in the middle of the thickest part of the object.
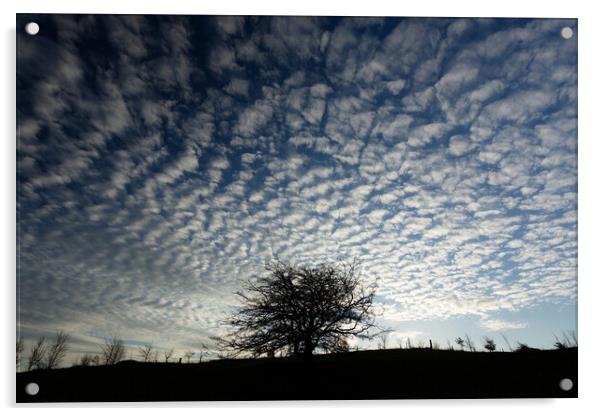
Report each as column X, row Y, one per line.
column 146, row 352
column 37, row 354
column 57, row 351
column 167, row 355
column 20, row 350
column 460, row 343
column 203, row 351
column 382, row 341
column 113, row 351
column 301, row 309
column 188, row 355
column 489, row 344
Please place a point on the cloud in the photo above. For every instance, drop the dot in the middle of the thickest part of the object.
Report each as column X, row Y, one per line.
column 238, row 86
column 459, row 145
column 501, row 325
column 253, row 118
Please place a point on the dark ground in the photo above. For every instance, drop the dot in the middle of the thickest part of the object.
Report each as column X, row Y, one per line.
column 388, row 374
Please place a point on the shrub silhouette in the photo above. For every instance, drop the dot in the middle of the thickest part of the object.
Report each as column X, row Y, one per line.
column 460, row 342
column 296, row 310
column 567, row 340
column 489, row 344
column 86, row 360
column 522, row 347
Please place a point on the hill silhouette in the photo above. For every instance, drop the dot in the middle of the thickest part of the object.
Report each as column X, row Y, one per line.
column 377, row 374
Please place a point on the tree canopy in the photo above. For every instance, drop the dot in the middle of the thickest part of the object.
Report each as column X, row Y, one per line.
column 297, row 310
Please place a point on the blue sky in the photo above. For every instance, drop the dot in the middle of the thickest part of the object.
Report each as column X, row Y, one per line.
column 163, row 160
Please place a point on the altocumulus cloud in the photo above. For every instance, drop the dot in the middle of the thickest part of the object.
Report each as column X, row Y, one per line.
column 163, row 160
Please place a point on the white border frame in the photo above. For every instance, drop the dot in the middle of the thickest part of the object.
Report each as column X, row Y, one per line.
column 589, row 193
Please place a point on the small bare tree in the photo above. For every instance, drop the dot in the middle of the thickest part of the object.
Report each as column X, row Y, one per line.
column 57, row 351
column 36, row 354
column 489, row 344
column 146, row 352
column 460, row 343
column 113, row 351
column 382, row 341
column 167, row 355
column 20, row 350
column 188, row 355
column 203, row 351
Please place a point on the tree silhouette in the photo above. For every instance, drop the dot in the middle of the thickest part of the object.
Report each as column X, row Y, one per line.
column 36, row 354
column 145, row 352
column 297, row 310
column 57, row 351
column 20, row 350
column 168, row 354
column 113, row 351
column 203, row 351
column 383, row 339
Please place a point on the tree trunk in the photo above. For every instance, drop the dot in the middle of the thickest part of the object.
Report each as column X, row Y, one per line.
column 308, row 348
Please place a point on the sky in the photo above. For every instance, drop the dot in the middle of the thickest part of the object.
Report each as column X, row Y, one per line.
column 162, row 160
